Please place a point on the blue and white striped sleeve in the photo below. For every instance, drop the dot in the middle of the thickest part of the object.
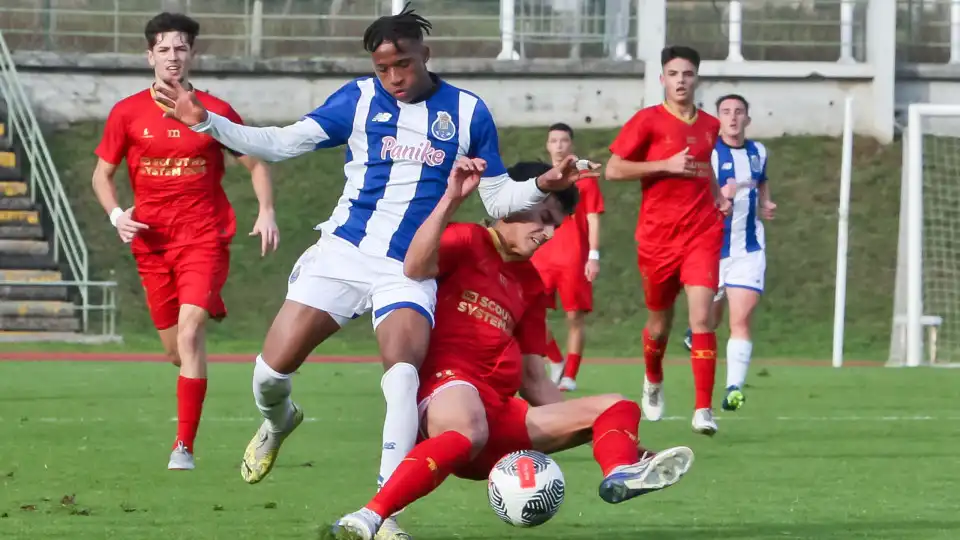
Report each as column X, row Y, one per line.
column 715, row 164
column 501, row 195
column 327, row 126
column 762, row 154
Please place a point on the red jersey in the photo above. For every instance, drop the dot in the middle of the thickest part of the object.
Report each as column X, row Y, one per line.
column 490, row 310
column 176, row 174
column 673, row 209
column 570, row 244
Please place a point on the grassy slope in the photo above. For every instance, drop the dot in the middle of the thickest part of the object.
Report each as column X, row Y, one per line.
column 795, row 318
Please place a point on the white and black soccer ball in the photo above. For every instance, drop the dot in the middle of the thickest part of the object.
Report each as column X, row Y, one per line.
column 526, row 488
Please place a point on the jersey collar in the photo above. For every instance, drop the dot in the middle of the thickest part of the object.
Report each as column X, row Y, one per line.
column 676, row 114
column 153, row 96
column 498, row 245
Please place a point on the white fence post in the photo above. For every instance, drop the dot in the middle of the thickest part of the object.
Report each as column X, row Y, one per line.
column 846, row 32
column 507, row 31
column 256, row 29
column 735, row 31
column 955, row 32
column 396, row 6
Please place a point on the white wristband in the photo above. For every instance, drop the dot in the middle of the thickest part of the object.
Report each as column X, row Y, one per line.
column 593, row 255
column 115, row 215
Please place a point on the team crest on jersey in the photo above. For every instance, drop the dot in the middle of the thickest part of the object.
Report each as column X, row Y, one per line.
column 295, row 274
column 755, row 164
column 443, row 128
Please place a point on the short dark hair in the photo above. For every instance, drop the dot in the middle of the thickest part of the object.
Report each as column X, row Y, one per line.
column 736, row 97
column 560, row 126
column 171, row 22
column 393, row 28
column 525, row 170
column 680, row 51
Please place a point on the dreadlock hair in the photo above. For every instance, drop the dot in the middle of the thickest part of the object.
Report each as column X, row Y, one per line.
column 393, row 28
column 525, row 170
column 171, row 22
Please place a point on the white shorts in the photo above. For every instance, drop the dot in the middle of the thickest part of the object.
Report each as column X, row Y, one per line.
column 334, row 276
column 743, row 272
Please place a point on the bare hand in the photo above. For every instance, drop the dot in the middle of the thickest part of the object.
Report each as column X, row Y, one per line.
column 266, row 228
column 183, row 104
column 592, row 270
column 724, row 205
column 767, row 209
column 560, row 177
column 127, row 228
column 464, row 178
column 682, row 163
column 730, row 190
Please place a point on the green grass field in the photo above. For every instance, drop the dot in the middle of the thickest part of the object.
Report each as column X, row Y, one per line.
column 814, row 454
column 794, row 319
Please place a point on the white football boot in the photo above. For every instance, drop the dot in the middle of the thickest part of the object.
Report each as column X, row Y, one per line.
column 363, row 523
column 262, row 451
column 652, row 473
column 652, row 403
column 703, row 422
column 556, row 371
column 181, row 459
column 390, row 530
column 567, row 385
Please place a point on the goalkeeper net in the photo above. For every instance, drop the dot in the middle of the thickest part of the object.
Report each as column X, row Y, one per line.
column 931, row 162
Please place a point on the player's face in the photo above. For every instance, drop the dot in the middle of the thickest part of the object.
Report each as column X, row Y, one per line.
column 524, row 232
column 733, row 117
column 403, row 72
column 171, row 56
column 559, row 145
column 679, row 80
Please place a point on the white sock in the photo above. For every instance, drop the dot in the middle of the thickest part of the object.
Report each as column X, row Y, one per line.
column 738, row 360
column 271, row 391
column 399, row 384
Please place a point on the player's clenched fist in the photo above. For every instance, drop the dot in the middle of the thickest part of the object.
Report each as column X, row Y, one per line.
column 183, row 104
column 464, row 178
column 682, row 163
column 127, row 228
column 768, row 209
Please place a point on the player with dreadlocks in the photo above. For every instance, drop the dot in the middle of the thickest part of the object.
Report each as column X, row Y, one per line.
column 407, row 132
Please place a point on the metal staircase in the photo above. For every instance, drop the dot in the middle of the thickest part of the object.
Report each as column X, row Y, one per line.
column 45, row 291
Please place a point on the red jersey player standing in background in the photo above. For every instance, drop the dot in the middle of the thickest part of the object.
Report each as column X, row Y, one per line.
column 667, row 147
column 570, row 262
column 181, row 224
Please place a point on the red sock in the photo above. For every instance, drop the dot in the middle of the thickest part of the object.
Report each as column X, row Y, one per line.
column 653, row 356
column 615, row 436
column 424, row 468
column 190, row 394
column 553, row 352
column 572, row 367
column 703, row 359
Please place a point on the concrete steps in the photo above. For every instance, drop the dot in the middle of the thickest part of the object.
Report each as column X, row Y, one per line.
column 27, row 292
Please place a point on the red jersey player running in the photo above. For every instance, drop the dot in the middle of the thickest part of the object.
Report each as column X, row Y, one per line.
column 181, row 224
column 571, row 261
column 667, row 148
column 488, row 345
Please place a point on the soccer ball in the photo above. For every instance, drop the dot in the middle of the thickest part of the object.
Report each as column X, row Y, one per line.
column 526, row 488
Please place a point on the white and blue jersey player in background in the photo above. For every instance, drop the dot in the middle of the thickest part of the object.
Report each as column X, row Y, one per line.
column 405, row 132
column 742, row 162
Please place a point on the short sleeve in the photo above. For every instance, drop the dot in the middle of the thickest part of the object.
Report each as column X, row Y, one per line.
column 762, row 151
column 336, row 114
column 531, row 331
column 590, row 196
column 456, row 243
column 485, row 142
column 114, row 142
column 634, row 138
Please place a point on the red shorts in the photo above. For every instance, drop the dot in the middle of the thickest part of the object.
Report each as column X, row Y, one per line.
column 576, row 293
column 506, row 421
column 666, row 270
column 192, row 274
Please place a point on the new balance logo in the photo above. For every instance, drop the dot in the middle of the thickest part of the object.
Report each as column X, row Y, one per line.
column 382, row 117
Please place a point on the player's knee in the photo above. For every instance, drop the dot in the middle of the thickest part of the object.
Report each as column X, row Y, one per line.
column 657, row 327
column 575, row 320
column 739, row 327
column 606, row 401
column 173, row 357
column 399, row 382
column 476, row 430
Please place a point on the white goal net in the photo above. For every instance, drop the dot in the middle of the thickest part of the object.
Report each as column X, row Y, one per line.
column 926, row 314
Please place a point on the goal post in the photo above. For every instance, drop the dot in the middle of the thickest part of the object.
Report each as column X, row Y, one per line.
column 926, row 311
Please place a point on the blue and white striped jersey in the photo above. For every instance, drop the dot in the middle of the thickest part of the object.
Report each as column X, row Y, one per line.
column 398, row 158
column 747, row 166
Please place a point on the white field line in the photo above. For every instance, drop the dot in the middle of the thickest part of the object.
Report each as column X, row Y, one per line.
column 955, row 417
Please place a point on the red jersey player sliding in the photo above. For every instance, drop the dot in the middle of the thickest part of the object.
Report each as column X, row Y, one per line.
column 181, row 224
column 571, row 261
column 488, row 345
column 667, row 148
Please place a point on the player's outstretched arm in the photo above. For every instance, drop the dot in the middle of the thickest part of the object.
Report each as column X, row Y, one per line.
column 423, row 256
column 620, row 169
column 537, row 388
column 503, row 195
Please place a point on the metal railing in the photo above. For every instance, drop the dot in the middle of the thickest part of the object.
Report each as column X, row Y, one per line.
column 107, row 308
column 67, row 244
